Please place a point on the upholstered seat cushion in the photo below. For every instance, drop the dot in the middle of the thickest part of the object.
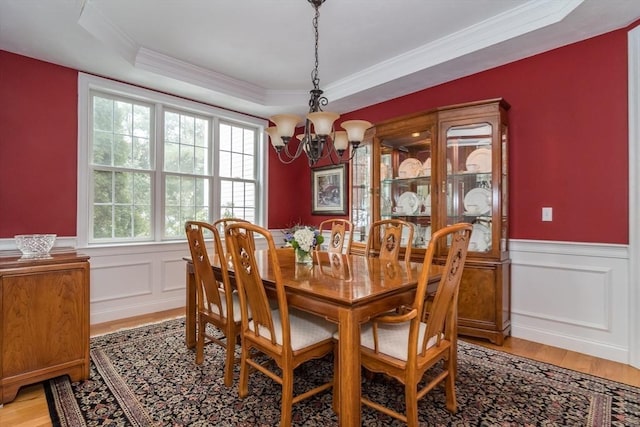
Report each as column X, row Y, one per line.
column 393, row 338
column 237, row 314
column 306, row 329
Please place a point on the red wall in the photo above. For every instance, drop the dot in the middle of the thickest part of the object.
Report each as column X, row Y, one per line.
column 569, row 143
column 38, row 147
column 568, row 137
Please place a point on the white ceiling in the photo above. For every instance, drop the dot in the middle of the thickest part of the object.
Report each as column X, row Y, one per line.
column 256, row 56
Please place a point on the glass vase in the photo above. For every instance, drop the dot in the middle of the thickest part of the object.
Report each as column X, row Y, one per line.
column 303, row 257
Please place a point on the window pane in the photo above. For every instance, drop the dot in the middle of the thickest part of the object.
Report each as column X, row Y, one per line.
column 186, row 198
column 171, row 157
column 122, row 201
column 114, row 125
column 102, row 187
column 237, row 152
column 141, row 153
column 171, row 127
column 249, row 141
column 186, row 144
column 141, row 121
column 225, row 163
column 123, row 221
column 102, row 220
column 123, row 118
column 102, row 114
column 102, row 146
column 225, row 137
column 142, row 221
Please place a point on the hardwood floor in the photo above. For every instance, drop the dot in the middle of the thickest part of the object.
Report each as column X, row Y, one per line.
column 29, row 409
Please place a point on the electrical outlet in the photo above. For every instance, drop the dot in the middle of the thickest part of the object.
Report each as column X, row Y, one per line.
column 547, row 214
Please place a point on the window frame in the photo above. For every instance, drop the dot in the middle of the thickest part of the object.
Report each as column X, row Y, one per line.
column 160, row 102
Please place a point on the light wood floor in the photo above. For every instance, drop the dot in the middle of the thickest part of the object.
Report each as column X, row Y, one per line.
column 29, row 409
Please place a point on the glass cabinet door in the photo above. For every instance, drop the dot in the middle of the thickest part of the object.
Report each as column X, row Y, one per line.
column 405, row 182
column 361, row 202
column 469, row 181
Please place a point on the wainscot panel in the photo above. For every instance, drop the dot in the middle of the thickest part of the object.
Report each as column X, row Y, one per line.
column 572, row 295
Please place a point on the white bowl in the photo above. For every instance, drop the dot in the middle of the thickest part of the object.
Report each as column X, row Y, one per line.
column 35, row 244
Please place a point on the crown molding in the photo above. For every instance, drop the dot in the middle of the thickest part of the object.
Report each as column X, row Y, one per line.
column 149, row 60
column 529, row 17
column 107, row 32
column 513, row 23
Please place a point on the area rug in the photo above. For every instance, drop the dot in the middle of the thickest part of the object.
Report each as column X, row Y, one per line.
column 147, row 377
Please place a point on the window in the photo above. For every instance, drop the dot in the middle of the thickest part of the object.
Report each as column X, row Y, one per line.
column 148, row 162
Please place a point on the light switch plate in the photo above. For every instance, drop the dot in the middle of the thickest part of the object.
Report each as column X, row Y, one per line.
column 547, row 214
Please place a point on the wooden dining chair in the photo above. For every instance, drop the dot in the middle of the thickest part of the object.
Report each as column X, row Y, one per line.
column 385, row 239
column 404, row 347
column 289, row 337
column 339, row 241
column 218, row 304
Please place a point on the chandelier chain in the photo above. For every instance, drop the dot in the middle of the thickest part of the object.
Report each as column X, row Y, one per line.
column 315, row 77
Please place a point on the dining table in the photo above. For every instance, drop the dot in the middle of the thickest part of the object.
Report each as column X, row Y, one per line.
column 347, row 289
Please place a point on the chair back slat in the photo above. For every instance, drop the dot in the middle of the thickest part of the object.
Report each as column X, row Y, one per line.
column 338, row 241
column 385, row 239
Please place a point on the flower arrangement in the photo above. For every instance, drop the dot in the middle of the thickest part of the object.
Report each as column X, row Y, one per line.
column 303, row 239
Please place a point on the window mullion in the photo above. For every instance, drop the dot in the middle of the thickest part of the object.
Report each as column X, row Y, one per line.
column 158, row 178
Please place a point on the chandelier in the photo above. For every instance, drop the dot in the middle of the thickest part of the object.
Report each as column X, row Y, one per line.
column 319, row 139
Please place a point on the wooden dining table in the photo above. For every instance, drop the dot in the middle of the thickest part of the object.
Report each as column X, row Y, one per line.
column 346, row 289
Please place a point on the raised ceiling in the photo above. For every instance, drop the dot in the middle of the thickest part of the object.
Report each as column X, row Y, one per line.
column 256, row 56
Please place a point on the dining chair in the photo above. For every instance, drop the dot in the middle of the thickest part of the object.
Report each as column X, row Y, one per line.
column 338, row 241
column 286, row 336
column 218, row 304
column 402, row 346
column 385, row 239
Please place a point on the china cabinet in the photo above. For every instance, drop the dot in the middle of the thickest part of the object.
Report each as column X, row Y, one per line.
column 440, row 167
column 44, row 331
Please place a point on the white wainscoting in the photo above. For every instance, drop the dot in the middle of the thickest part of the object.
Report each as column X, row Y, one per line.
column 568, row 295
column 572, row 295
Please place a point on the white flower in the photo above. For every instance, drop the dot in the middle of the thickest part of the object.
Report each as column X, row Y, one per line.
column 305, row 239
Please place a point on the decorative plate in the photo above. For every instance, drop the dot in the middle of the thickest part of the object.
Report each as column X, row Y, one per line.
column 479, row 160
column 426, row 167
column 409, row 168
column 408, row 203
column 478, row 201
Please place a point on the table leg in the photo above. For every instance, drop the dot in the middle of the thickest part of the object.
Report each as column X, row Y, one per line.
column 191, row 304
column 349, row 366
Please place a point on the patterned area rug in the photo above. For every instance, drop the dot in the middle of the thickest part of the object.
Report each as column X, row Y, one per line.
column 147, row 377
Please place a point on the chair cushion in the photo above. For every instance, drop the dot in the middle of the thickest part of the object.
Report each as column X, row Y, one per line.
column 306, row 329
column 393, row 338
column 237, row 314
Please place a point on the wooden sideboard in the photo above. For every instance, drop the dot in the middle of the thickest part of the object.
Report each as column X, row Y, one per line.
column 44, row 327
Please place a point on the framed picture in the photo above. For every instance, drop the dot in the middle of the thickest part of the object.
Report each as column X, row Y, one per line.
column 328, row 190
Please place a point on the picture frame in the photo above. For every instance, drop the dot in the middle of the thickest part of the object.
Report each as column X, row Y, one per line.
column 329, row 190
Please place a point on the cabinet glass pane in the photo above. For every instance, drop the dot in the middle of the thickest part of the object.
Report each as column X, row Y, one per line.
column 405, row 182
column 361, row 192
column 469, row 175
